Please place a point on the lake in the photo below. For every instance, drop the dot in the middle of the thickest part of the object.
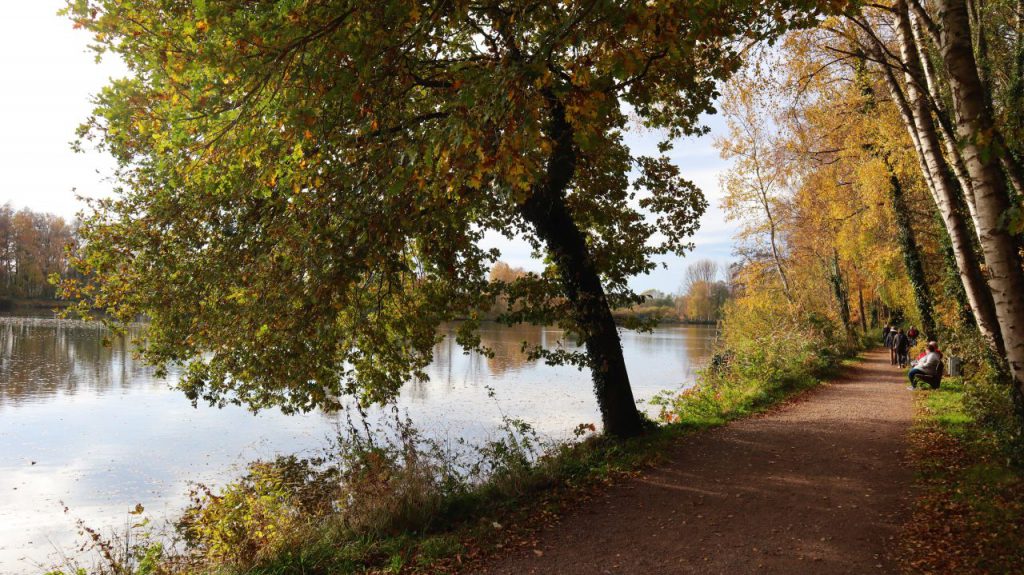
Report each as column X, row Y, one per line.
column 85, row 425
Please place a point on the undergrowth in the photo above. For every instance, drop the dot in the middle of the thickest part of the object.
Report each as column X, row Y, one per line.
column 386, row 502
column 968, row 511
column 765, row 354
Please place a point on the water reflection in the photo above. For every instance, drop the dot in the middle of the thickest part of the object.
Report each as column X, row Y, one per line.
column 507, row 345
column 42, row 358
column 667, row 358
column 88, row 425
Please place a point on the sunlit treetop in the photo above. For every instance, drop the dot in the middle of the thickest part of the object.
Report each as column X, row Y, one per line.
column 304, row 184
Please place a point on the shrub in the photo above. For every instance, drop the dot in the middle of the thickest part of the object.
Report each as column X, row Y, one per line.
column 393, row 486
column 259, row 514
column 766, row 349
column 372, row 485
column 987, row 399
column 133, row 551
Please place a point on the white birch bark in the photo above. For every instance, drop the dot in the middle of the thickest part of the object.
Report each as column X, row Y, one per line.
column 918, row 121
column 955, row 159
column 978, row 140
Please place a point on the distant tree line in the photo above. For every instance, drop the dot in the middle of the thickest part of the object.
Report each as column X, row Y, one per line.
column 701, row 298
column 502, row 272
column 33, row 246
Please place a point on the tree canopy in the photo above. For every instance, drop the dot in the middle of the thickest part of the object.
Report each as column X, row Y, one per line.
column 304, row 184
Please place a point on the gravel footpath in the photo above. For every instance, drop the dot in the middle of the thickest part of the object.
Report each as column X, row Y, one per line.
column 815, row 486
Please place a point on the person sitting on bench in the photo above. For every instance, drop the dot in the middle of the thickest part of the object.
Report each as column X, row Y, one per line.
column 928, row 368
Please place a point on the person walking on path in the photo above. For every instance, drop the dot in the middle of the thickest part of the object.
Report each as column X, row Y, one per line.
column 928, row 366
column 912, row 334
column 901, row 344
column 889, row 343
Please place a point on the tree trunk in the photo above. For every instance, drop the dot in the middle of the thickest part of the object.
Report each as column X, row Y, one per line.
column 1013, row 171
column 914, row 52
column 860, row 302
column 775, row 249
column 918, row 120
column 911, row 255
column 979, row 141
column 951, row 284
column 546, row 211
column 839, row 291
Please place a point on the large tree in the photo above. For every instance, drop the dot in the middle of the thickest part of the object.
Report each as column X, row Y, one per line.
column 305, row 183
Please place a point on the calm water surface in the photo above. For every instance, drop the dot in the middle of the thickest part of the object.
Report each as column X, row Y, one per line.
column 84, row 425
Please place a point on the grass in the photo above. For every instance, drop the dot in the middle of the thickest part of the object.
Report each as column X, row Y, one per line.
column 944, row 407
column 967, row 516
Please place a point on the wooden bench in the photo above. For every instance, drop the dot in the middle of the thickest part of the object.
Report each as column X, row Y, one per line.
column 932, row 380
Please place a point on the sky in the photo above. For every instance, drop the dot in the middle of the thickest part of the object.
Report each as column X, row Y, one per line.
column 50, row 75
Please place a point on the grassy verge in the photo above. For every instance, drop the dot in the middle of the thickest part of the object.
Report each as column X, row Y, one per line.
column 968, row 509
column 403, row 507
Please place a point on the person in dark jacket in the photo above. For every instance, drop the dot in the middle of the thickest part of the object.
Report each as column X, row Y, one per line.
column 889, row 338
column 901, row 344
column 885, row 332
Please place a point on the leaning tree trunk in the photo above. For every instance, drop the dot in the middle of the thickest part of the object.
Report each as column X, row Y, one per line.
column 914, row 50
column 911, row 255
column 951, row 284
column 547, row 212
column 978, row 137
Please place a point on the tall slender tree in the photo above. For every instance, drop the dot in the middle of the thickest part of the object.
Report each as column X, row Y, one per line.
column 911, row 254
column 982, row 151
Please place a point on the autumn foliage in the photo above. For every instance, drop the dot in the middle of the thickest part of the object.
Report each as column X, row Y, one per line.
column 33, row 247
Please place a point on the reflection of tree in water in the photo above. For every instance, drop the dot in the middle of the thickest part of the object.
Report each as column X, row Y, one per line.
column 43, row 358
column 694, row 342
column 452, row 366
column 507, row 344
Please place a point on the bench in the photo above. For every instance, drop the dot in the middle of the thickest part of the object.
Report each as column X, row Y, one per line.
column 932, row 380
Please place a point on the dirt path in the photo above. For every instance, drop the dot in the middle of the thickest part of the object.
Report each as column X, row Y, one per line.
column 814, row 487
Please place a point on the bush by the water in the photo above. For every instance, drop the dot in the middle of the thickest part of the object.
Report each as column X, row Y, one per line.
column 372, row 485
column 766, row 350
column 381, row 496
